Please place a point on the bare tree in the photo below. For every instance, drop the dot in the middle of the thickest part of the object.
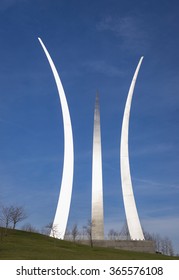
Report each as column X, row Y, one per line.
column 28, row 227
column 157, row 239
column 170, row 248
column 17, row 215
column 74, row 232
column 148, row 236
column 52, row 229
column 124, row 233
column 88, row 230
column 67, row 234
column 11, row 214
column 113, row 235
column 6, row 215
column 162, row 245
column 166, row 247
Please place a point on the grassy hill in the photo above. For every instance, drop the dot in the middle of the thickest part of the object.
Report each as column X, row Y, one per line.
column 21, row 245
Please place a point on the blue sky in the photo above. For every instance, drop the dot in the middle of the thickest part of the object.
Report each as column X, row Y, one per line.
column 96, row 46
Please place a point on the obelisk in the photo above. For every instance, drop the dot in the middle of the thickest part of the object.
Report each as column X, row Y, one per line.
column 97, row 180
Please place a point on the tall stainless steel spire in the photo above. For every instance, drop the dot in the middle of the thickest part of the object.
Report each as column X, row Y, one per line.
column 132, row 217
column 97, row 181
column 63, row 206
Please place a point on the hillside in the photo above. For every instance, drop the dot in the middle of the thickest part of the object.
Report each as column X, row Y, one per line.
column 21, row 245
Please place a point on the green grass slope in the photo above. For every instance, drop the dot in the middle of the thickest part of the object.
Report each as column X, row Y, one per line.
column 21, row 245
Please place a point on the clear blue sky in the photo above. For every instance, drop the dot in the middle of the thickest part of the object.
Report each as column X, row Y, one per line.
column 96, row 46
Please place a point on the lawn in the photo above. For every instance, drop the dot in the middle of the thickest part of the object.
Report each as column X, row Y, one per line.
column 22, row 245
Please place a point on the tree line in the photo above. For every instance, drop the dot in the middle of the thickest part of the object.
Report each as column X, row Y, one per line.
column 10, row 216
column 163, row 245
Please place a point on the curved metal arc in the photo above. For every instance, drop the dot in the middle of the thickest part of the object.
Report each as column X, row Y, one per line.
column 63, row 206
column 132, row 217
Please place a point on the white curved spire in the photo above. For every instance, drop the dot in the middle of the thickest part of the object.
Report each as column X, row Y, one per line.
column 132, row 217
column 63, row 206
